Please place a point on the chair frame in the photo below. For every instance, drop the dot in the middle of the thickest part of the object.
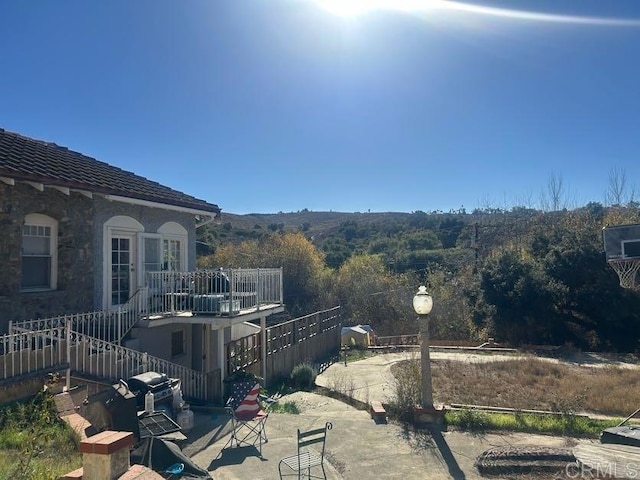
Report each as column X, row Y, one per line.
column 307, row 458
column 247, row 431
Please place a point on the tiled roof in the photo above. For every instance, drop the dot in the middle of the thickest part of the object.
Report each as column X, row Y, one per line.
column 23, row 158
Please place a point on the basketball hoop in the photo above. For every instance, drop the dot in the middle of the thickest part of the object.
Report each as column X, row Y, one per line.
column 627, row 270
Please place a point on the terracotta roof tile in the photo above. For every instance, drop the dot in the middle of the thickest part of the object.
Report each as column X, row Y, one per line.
column 24, row 158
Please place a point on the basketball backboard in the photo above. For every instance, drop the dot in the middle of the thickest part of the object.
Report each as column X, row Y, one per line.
column 621, row 241
column 622, row 252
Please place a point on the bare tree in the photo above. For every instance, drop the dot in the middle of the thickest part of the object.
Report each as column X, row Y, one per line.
column 525, row 200
column 555, row 197
column 616, row 193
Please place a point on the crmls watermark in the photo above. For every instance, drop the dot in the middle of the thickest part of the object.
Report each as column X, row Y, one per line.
column 602, row 470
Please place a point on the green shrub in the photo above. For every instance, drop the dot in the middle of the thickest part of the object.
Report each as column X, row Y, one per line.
column 576, row 426
column 303, row 376
column 470, row 419
column 286, row 407
column 34, row 443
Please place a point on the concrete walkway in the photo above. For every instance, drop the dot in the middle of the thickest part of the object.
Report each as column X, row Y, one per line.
column 357, row 447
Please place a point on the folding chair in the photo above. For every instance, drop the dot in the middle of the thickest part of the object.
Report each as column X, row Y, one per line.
column 307, row 458
column 247, row 417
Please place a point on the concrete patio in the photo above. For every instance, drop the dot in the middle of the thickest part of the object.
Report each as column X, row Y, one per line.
column 357, row 447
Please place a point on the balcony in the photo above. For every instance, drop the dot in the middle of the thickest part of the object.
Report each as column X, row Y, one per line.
column 213, row 293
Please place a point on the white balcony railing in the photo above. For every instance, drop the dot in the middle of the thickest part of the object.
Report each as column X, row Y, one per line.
column 224, row 292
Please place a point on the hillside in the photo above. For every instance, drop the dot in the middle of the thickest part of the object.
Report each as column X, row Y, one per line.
column 318, row 223
column 524, row 276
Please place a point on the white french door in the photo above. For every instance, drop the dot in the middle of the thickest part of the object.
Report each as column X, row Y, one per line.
column 122, row 267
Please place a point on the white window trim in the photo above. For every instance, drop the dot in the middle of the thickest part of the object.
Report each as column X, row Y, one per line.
column 118, row 224
column 39, row 219
column 183, row 248
column 175, row 231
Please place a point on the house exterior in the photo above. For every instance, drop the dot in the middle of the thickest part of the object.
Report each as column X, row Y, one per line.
column 79, row 235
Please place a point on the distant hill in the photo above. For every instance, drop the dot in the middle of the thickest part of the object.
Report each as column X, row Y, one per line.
column 314, row 224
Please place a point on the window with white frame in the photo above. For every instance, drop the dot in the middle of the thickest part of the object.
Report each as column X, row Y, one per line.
column 39, row 253
column 174, row 242
column 172, row 254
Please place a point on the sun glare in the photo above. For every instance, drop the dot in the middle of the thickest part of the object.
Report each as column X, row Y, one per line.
column 347, row 8
column 351, row 8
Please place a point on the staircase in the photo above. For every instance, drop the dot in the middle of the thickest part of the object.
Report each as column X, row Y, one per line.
column 89, row 344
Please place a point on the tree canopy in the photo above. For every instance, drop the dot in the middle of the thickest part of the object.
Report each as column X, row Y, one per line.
column 521, row 276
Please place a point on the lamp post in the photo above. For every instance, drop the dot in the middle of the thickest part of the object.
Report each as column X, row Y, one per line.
column 422, row 304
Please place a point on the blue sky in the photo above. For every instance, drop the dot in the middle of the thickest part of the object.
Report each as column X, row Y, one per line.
column 280, row 105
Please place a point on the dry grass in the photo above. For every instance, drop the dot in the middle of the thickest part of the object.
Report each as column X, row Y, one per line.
column 538, row 384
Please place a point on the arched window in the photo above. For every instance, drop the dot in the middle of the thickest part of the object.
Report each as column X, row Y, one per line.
column 39, row 253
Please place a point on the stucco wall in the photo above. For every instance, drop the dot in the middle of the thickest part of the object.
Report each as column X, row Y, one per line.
column 156, row 341
column 75, row 288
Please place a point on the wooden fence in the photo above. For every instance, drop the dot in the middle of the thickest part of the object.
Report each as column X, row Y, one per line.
column 398, row 340
column 312, row 338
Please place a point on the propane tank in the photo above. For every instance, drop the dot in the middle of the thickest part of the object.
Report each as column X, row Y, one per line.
column 149, row 400
column 185, row 420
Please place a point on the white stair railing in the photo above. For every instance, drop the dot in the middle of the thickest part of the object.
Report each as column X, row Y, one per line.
column 27, row 351
column 109, row 325
column 106, row 360
column 32, row 351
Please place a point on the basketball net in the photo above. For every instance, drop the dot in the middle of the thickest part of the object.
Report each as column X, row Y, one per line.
column 627, row 270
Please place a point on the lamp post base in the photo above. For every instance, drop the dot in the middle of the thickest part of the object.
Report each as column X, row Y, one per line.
column 431, row 415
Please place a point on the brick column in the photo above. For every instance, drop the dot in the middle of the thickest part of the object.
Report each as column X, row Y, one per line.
column 105, row 456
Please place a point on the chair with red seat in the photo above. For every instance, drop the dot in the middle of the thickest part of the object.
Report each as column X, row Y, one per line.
column 248, row 419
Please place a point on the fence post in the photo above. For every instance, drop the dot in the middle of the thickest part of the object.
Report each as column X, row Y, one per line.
column 67, row 330
column 258, row 288
column 119, row 329
column 10, row 348
column 263, row 340
column 145, row 361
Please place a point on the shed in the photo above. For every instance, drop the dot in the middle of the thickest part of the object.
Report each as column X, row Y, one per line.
column 358, row 335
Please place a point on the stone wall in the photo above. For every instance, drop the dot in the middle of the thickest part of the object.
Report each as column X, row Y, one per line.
column 76, row 247
column 151, row 219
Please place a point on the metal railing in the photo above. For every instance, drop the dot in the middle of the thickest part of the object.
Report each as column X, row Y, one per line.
column 108, row 325
column 92, row 356
column 27, row 352
column 217, row 292
column 94, row 337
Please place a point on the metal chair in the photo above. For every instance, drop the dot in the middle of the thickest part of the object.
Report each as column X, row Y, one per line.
column 307, row 458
